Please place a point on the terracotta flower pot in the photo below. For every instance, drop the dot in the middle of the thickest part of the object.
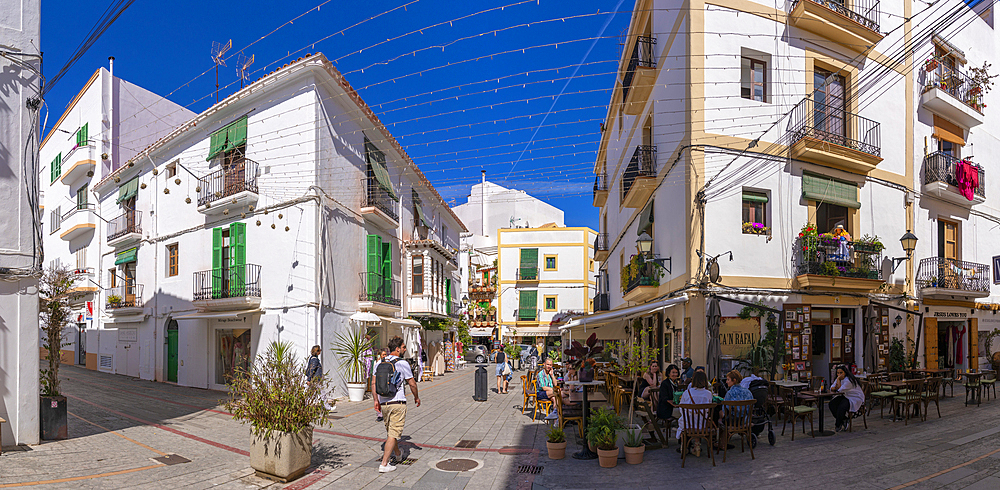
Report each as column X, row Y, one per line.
column 557, row 450
column 633, row 455
column 607, row 457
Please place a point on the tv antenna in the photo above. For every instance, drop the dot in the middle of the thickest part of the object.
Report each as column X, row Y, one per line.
column 219, row 49
column 242, row 64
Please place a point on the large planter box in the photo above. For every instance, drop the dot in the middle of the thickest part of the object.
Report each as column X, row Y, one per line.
column 282, row 456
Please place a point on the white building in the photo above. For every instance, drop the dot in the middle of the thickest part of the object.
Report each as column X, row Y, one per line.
column 20, row 244
column 717, row 122
column 279, row 213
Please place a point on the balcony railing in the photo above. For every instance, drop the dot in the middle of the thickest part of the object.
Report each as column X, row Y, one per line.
column 831, row 123
column 130, row 222
column 647, row 275
column 829, row 256
column 940, row 167
column 602, row 302
column 526, row 314
column 864, row 12
column 527, row 273
column 379, row 289
column 642, row 56
column 129, row 296
column 600, row 182
column 238, row 177
column 75, row 208
column 939, row 272
column 483, row 320
column 601, row 242
column 232, row 282
column 643, row 164
column 455, row 310
column 954, row 82
column 375, row 197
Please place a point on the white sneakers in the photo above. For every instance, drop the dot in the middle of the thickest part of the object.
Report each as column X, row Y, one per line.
column 386, row 469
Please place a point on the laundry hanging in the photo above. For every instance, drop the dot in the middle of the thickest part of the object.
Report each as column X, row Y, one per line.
column 967, row 176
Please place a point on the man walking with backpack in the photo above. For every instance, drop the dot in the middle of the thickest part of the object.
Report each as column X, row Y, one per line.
column 391, row 377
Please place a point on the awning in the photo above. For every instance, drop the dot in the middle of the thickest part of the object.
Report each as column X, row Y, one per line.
column 216, row 314
column 821, row 188
column 128, row 190
column 125, row 319
column 129, row 255
column 754, row 196
column 420, row 215
column 945, row 130
column 365, row 316
column 406, row 322
column 481, row 331
column 227, row 138
column 617, row 315
column 376, row 159
column 645, row 218
column 538, row 331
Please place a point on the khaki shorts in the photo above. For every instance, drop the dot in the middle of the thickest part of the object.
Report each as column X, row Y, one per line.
column 395, row 418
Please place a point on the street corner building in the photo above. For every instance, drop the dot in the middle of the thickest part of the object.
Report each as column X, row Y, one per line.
column 284, row 212
column 810, row 166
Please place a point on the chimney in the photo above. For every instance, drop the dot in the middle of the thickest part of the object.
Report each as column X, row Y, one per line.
column 111, row 65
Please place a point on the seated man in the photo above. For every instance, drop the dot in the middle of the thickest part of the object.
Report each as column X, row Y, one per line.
column 546, row 381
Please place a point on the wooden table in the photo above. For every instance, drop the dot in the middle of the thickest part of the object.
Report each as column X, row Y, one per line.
column 820, row 396
column 790, row 384
column 585, row 453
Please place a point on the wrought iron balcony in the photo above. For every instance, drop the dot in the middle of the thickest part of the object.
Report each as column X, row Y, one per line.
column 829, row 123
column 940, row 167
column 526, row 314
column 601, row 244
column 954, row 275
column 130, row 222
column 527, row 273
column 600, row 189
column 642, row 57
column 378, row 289
column 232, row 282
column 864, row 12
column 602, row 302
column 128, row 296
column 240, row 176
column 953, row 82
column 642, row 164
column 379, row 199
column 827, row 256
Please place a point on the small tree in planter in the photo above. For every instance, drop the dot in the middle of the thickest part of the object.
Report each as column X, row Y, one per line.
column 53, row 301
column 350, row 348
column 273, row 396
column 556, row 443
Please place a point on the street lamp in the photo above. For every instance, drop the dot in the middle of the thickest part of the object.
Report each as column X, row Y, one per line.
column 909, row 243
column 645, row 245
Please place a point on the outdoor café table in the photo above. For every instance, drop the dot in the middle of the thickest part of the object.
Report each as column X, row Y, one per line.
column 795, row 385
column 585, row 453
column 820, row 396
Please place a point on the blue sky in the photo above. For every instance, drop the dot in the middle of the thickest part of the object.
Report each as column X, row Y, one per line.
column 454, row 114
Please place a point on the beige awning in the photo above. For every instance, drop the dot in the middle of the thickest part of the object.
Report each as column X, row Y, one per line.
column 611, row 324
column 216, row 314
column 404, row 322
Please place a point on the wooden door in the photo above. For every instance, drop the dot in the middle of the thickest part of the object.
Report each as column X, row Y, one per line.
column 931, row 343
column 948, row 248
column 130, row 288
column 974, row 343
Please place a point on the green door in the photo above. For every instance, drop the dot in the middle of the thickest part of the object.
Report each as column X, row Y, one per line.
column 172, row 351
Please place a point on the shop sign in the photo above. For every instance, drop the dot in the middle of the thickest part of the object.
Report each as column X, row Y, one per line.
column 950, row 314
column 738, row 335
column 240, row 319
column 128, row 335
column 996, row 269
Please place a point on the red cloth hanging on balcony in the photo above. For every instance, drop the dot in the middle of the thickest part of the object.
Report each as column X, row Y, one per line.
column 967, row 176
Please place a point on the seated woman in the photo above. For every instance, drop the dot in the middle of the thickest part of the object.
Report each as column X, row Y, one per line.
column 736, row 392
column 853, row 396
column 696, row 394
column 649, row 378
column 671, row 384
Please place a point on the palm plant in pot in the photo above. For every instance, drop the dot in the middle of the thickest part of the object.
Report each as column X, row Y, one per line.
column 350, row 348
column 584, row 357
column 273, row 396
column 53, row 302
column 556, row 443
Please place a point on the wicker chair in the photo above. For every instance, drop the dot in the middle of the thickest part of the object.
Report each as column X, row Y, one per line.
column 795, row 412
column 931, row 394
column 913, row 396
column 737, row 419
column 698, row 425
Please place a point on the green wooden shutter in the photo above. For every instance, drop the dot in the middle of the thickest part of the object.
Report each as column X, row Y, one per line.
column 821, row 188
column 374, row 264
column 55, row 170
column 386, row 257
column 238, row 252
column 447, row 290
column 81, row 136
column 227, row 138
column 217, row 262
column 527, row 305
column 529, row 263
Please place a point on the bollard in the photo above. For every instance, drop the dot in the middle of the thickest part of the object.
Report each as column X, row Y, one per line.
column 482, row 387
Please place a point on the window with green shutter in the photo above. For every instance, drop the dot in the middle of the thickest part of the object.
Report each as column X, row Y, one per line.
column 237, row 259
column 228, row 138
column 81, row 136
column 529, row 264
column 447, row 295
column 55, row 170
column 386, row 257
column 217, row 259
column 821, row 188
column 373, row 271
column 527, row 306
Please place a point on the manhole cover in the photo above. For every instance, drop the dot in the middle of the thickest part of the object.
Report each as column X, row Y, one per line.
column 531, row 469
column 458, row 464
column 467, row 444
column 170, row 459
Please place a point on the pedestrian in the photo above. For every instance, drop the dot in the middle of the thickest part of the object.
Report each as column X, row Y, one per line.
column 686, row 372
column 503, row 372
column 394, row 404
column 314, row 369
column 379, row 356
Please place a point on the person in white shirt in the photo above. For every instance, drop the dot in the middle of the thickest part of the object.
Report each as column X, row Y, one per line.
column 393, row 408
column 696, row 394
column 748, row 379
column 853, row 396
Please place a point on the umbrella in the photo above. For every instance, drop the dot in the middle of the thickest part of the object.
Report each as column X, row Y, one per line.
column 871, row 322
column 714, row 351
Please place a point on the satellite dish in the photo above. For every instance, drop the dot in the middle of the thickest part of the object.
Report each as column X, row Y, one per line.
column 713, row 271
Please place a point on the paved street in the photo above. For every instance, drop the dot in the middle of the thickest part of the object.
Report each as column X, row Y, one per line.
column 118, row 424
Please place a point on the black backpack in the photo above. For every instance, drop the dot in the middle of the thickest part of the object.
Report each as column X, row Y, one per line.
column 386, row 378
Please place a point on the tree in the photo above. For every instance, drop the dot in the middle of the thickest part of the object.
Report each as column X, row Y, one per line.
column 53, row 300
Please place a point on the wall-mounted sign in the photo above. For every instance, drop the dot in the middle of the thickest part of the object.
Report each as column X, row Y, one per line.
column 951, row 314
column 128, row 335
column 996, row 269
column 738, row 335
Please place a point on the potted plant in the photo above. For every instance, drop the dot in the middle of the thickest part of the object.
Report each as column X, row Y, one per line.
column 350, row 348
column 607, row 451
column 634, row 447
column 934, row 281
column 114, row 300
column 584, row 355
column 556, row 443
column 53, row 302
column 897, row 356
column 273, row 396
column 930, row 64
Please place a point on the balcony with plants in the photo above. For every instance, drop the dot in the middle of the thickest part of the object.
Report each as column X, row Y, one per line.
column 235, row 287
column 943, row 278
column 853, row 24
column 640, row 279
column 954, row 95
column 827, row 134
column 835, row 261
column 482, row 316
column 233, row 186
column 955, row 180
column 125, row 299
column 639, row 179
column 640, row 75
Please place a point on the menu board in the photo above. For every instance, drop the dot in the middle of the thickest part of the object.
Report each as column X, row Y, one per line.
column 882, row 337
column 798, row 342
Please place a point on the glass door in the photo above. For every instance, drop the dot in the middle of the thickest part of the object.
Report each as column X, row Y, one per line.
column 830, row 109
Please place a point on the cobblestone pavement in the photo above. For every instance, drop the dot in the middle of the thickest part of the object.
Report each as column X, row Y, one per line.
column 118, row 425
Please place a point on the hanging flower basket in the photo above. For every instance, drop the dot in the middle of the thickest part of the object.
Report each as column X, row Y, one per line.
column 931, row 64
